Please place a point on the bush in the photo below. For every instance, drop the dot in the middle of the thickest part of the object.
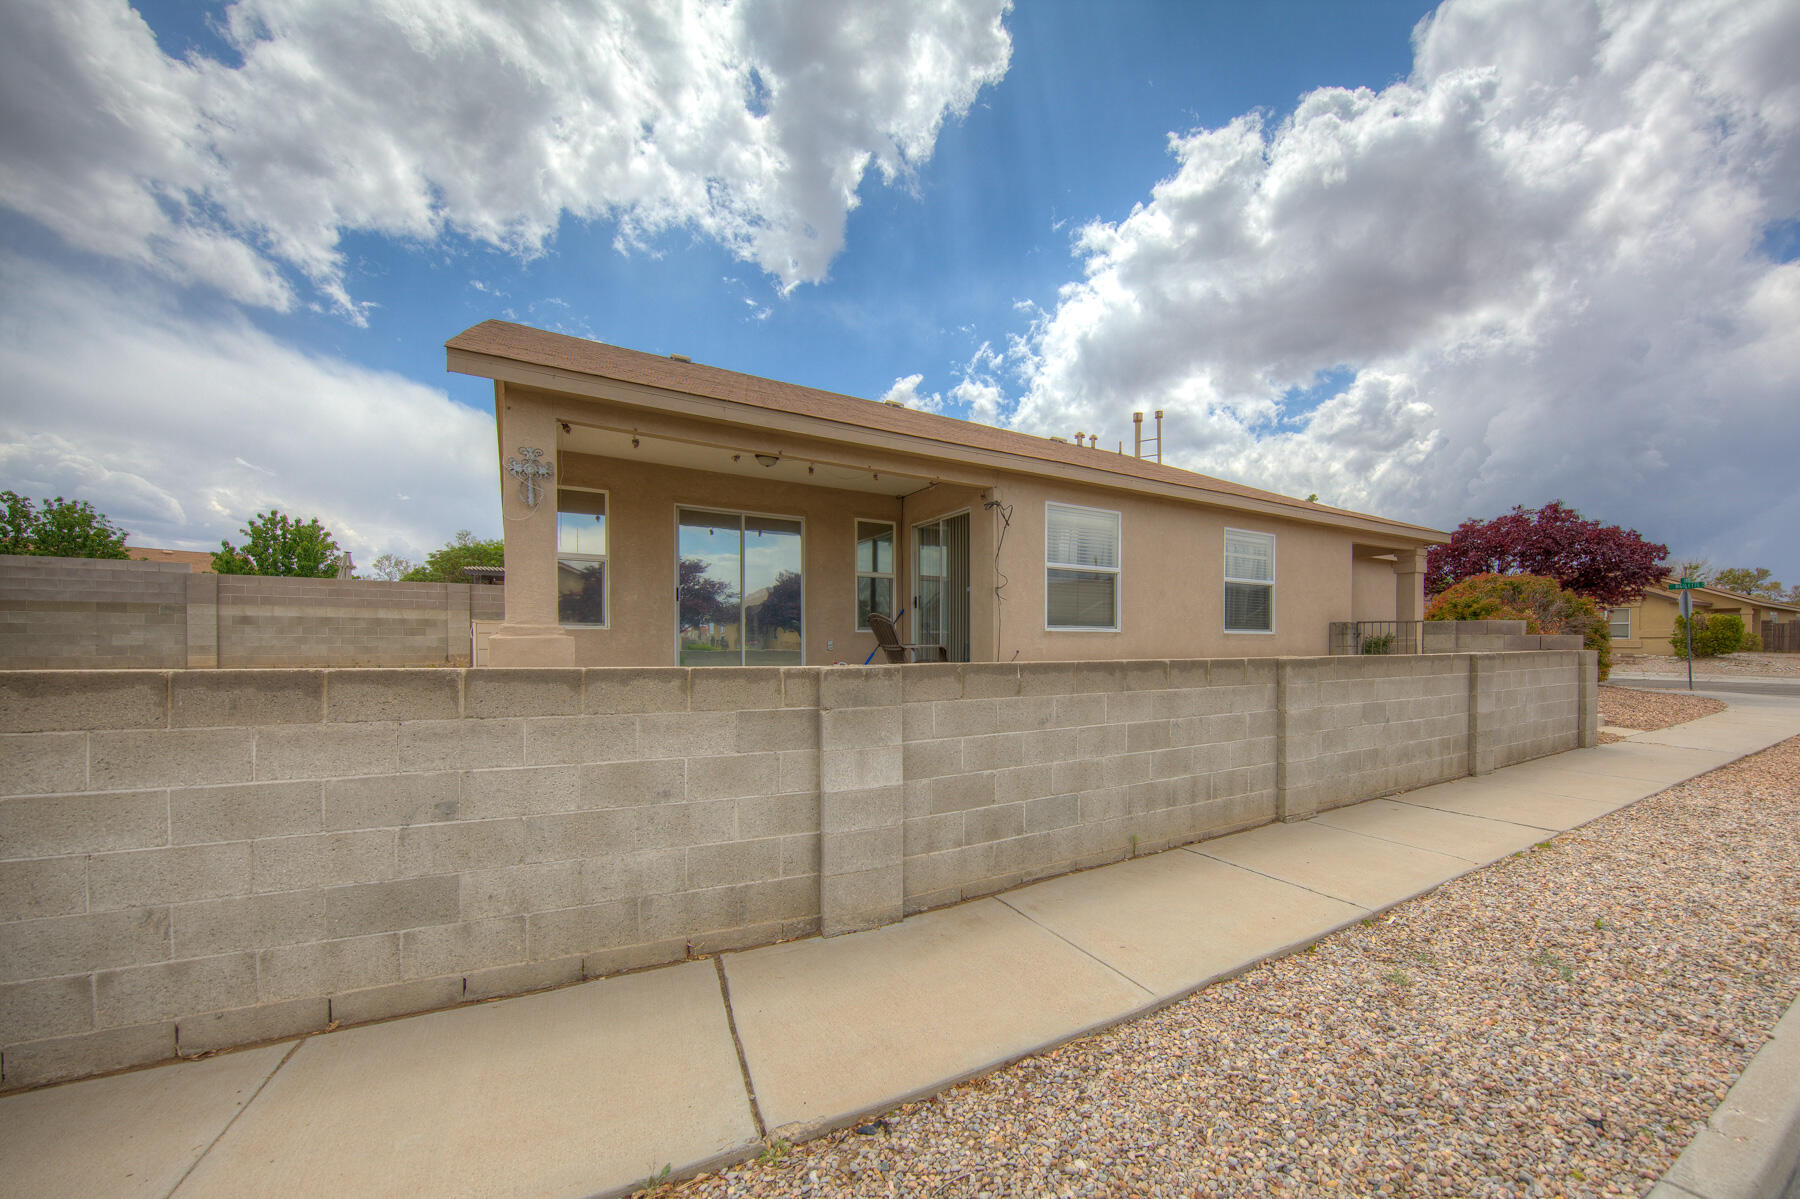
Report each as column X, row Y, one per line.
column 1713, row 635
column 1752, row 643
column 1534, row 599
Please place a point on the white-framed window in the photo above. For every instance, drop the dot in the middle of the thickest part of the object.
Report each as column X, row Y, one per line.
column 1618, row 620
column 1249, row 582
column 874, row 570
column 581, row 575
column 1081, row 568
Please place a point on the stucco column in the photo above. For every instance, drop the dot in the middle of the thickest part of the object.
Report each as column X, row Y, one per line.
column 531, row 635
column 1409, row 585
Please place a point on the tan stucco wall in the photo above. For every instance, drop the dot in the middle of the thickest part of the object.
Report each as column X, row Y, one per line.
column 1372, row 595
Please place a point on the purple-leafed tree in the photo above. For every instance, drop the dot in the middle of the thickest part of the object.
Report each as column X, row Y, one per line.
column 1607, row 564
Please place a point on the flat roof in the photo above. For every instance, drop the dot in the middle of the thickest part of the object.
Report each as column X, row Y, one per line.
column 946, row 437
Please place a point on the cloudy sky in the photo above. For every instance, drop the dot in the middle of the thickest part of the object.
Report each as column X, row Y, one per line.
column 1426, row 262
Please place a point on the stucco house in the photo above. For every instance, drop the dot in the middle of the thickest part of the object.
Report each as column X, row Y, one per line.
column 660, row 512
column 1646, row 626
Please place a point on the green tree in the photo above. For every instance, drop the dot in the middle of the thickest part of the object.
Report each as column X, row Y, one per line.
column 277, row 544
column 446, row 565
column 1758, row 581
column 60, row 529
column 1719, row 633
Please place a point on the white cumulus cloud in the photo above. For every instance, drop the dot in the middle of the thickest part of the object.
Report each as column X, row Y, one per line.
column 752, row 122
column 1533, row 270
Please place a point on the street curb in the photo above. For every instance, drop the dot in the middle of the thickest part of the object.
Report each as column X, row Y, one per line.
column 1750, row 1147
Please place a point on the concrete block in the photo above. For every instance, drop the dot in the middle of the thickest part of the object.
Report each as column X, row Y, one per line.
column 1023, row 783
column 38, row 763
column 926, row 681
column 460, row 744
column 799, row 771
column 799, row 686
column 781, row 899
column 603, row 962
column 1028, row 713
column 732, row 776
column 219, row 926
column 166, row 990
column 852, row 902
column 1073, row 711
column 396, row 999
column 964, row 717
column 733, row 862
column 220, row 698
column 35, row 1063
column 387, row 907
column 735, row 689
column 120, row 760
column 982, row 680
column 524, row 791
column 692, row 914
column 932, row 759
column 800, row 855
column 38, row 887
column 357, row 696
column 960, row 792
column 1047, row 678
column 993, row 824
column 516, row 890
column 855, row 851
column 244, row 811
column 933, row 834
column 783, row 729
column 519, row 979
column 44, row 1008
column 918, row 722
column 51, row 701
column 633, row 784
column 997, row 751
column 250, row 1025
column 681, row 735
column 37, row 949
column 875, row 807
column 328, row 968
column 325, row 751
column 391, row 800
column 581, row 930
column 1145, row 675
column 555, row 740
column 1051, row 812
column 859, row 728
column 777, row 815
column 860, row 769
column 615, row 689
column 463, row 845
column 859, row 687
column 459, row 948
column 323, row 860
column 632, row 875
column 139, row 878
column 496, row 693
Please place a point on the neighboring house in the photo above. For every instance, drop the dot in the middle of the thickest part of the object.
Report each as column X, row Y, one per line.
column 691, row 515
column 198, row 561
column 1646, row 626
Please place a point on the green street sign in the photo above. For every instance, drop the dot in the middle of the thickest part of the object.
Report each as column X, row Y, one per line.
column 1685, row 584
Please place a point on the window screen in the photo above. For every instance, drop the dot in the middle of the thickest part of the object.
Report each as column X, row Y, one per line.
column 1081, row 568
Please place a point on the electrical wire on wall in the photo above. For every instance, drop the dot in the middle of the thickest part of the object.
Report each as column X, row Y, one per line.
column 1004, row 512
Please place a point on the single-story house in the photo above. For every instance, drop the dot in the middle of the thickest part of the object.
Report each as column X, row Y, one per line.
column 660, row 512
column 1645, row 627
column 198, row 561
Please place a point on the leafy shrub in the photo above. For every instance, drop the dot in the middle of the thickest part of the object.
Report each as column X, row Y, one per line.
column 1380, row 643
column 1713, row 635
column 1538, row 601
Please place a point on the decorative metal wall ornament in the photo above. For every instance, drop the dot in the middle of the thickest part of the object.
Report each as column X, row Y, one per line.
column 529, row 467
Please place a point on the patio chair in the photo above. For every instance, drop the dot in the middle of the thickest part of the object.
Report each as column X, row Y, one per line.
column 888, row 639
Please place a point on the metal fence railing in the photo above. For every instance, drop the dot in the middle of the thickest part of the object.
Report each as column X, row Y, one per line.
column 1376, row 636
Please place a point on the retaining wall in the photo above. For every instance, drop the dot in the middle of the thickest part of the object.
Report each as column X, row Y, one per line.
column 195, row 859
column 106, row 614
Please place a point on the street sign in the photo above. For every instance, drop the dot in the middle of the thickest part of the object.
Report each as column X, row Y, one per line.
column 1686, row 584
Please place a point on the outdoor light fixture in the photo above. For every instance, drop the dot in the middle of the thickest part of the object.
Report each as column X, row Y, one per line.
column 767, row 459
column 634, row 443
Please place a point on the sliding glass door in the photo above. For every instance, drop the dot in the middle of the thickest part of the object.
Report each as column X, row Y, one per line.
column 739, row 589
column 940, row 613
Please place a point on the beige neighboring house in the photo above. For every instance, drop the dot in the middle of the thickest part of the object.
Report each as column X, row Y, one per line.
column 1646, row 626
column 659, row 512
column 198, row 561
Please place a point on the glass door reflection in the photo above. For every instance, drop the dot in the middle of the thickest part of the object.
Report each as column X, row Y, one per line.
column 739, row 589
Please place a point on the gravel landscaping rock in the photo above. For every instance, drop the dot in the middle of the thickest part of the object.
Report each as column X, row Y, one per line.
column 1727, row 665
column 1647, row 710
column 1559, row 1023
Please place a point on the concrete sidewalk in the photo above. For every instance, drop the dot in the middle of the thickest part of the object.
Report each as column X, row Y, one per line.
column 595, row 1088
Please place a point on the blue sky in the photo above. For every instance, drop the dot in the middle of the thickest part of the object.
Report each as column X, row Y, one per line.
column 1530, row 250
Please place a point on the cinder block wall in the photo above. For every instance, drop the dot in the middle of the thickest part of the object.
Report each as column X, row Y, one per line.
column 195, row 859
column 90, row 612
column 98, row 614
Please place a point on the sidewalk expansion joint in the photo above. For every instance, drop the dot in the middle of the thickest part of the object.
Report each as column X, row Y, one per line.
column 1323, row 823
column 1078, row 948
column 762, row 1129
column 1286, row 882
column 244, row 1107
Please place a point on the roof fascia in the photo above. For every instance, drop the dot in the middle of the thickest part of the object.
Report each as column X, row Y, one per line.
column 557, row 379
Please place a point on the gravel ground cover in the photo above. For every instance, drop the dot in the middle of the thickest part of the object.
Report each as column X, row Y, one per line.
column 1559, row 1023
column 1647, row 710
column 1767, row 665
